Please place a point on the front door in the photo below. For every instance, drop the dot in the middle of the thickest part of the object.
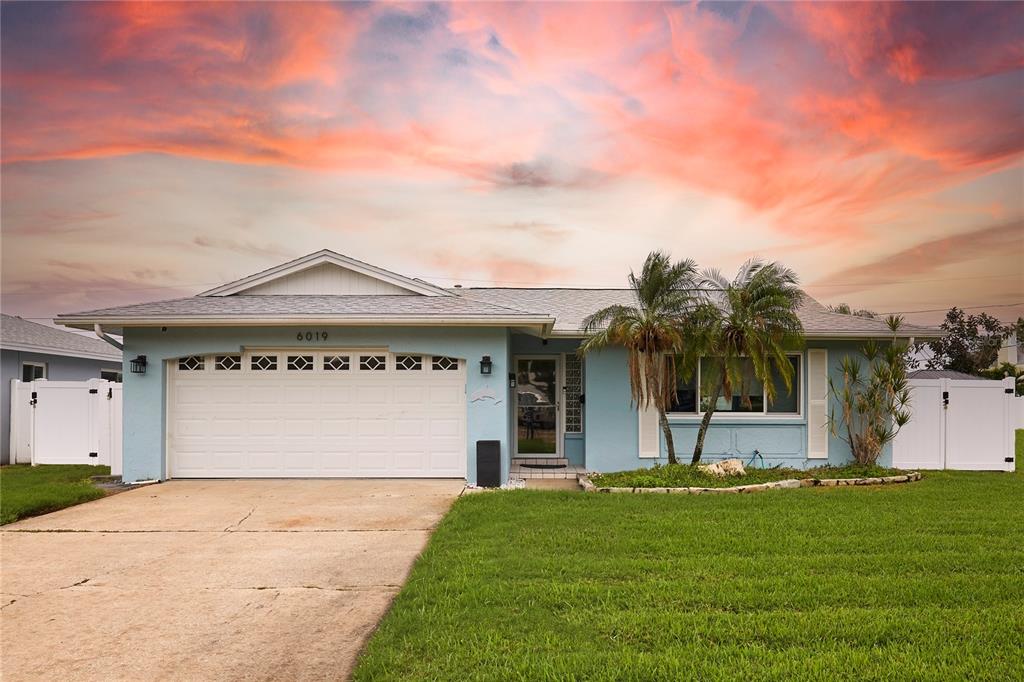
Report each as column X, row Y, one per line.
column 537, row 408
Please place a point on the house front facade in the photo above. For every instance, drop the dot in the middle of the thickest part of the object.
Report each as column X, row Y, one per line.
column 329, row 367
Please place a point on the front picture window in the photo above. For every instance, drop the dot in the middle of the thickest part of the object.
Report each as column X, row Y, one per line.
column 694, row 393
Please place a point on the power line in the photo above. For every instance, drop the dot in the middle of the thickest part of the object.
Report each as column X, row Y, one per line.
column 942, row 310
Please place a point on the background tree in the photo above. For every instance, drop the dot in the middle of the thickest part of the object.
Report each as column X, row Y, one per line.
column 652, row 331
column 873, row 397
column 846, row 309
column 751, row 317
column 971, row 343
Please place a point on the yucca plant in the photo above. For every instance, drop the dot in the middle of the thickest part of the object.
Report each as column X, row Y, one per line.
column 652, row 331
column 873, row 397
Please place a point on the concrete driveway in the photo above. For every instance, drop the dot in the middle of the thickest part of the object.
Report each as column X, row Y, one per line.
column 211, row 579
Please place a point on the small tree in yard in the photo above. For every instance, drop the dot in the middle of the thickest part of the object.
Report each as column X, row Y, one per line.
column 751, row 317
column 873, row 397
column 651, row 331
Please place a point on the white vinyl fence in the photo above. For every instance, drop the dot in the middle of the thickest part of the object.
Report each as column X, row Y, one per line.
column 66, row 422
column 958, row 424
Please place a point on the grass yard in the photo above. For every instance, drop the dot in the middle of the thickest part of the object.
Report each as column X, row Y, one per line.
column 29, row 491
column 918, row 582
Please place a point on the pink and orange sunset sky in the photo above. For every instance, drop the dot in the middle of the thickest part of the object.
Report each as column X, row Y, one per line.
column 154, row 150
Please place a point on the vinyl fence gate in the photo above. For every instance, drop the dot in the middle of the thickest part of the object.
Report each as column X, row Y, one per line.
column 958, row 424
column 66, row 422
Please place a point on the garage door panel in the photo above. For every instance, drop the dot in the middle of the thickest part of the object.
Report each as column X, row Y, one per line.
column 337, row 395
column 280, row 423
column 374, row 395
column 408, row 426
column 261, row 395
column 300, row 427
column 446, row 395
column 337, row 427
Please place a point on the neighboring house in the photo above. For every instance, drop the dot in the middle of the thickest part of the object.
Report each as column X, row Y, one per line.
column 327, row 366
column 1012, row 351
column 31, row 351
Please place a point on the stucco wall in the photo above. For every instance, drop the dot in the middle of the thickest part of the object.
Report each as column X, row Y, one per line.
column 58, row 368
column 612, row 427
column 145, row 395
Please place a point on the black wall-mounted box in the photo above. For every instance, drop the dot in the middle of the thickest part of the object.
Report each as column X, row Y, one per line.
column 488, row 463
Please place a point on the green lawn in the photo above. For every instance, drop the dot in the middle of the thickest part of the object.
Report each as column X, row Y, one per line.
column 919, row 582
column 29, row 491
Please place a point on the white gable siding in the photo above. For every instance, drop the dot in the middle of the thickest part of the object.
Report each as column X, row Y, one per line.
column 328, row 279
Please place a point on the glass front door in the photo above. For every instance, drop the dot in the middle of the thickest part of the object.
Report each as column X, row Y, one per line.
column 537, row 407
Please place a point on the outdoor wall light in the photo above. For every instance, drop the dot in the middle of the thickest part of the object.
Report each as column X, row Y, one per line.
column 138, row 365
column 485, row 364
column 511, row 380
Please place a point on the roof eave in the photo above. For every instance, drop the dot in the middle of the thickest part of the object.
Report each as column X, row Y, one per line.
column 47, row 350
column 115, row 324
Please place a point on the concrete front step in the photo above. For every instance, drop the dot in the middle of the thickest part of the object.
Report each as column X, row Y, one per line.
column 559, row 461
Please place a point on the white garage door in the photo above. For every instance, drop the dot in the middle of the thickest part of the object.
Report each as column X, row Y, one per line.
column 294, row 413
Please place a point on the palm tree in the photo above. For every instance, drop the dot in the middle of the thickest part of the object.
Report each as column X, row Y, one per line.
column 752, row 317
column 652, row 331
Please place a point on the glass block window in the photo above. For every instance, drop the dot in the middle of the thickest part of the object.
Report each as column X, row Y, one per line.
column 443, row 364
column 372, row 363
column 193, row 363
column 573, row 392
column 301, row 363
column 227, row 362
column 409, row 362
column 263, row 363
column 335, row 363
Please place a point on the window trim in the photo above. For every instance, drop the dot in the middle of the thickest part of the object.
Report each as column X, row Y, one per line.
column 765, row 416
column 111, row 370
column 32, row 363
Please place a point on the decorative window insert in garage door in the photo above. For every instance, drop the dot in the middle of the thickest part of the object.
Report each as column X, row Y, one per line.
column 299, row 413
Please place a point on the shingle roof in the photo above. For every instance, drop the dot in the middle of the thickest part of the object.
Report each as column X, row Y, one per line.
column 945, row 374
column 567, row 307
column 19, row 334
column 297, row 306
column 570, row 307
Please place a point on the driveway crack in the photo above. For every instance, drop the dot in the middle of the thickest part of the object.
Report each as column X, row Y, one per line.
column 240, row 521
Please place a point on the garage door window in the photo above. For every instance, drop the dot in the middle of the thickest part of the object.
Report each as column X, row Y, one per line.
column 372, row 363
column 228, row 363
column 409, row 363
column 336, row 363
column 263, row 363
column 301, row 363
column 193, row 363
column 443, row 364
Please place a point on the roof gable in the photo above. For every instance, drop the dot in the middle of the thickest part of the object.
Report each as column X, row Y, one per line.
column 327, row 273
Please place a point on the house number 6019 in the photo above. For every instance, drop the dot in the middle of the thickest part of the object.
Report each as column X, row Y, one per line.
column 311, row 336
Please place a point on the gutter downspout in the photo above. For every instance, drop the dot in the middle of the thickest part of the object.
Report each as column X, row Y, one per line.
column 106, row 337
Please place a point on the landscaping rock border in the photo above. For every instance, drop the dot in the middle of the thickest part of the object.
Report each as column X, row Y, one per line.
column 589, row 487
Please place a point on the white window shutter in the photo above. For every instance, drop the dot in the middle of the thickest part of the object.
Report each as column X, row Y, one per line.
column 650, row 438
column 817, row 403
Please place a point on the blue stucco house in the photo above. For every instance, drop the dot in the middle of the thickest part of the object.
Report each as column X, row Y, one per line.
column 30, row 351
column 326, row 366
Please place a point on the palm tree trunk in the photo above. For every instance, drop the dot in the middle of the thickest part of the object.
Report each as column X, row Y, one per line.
column 698, row 449
column 669, row 443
